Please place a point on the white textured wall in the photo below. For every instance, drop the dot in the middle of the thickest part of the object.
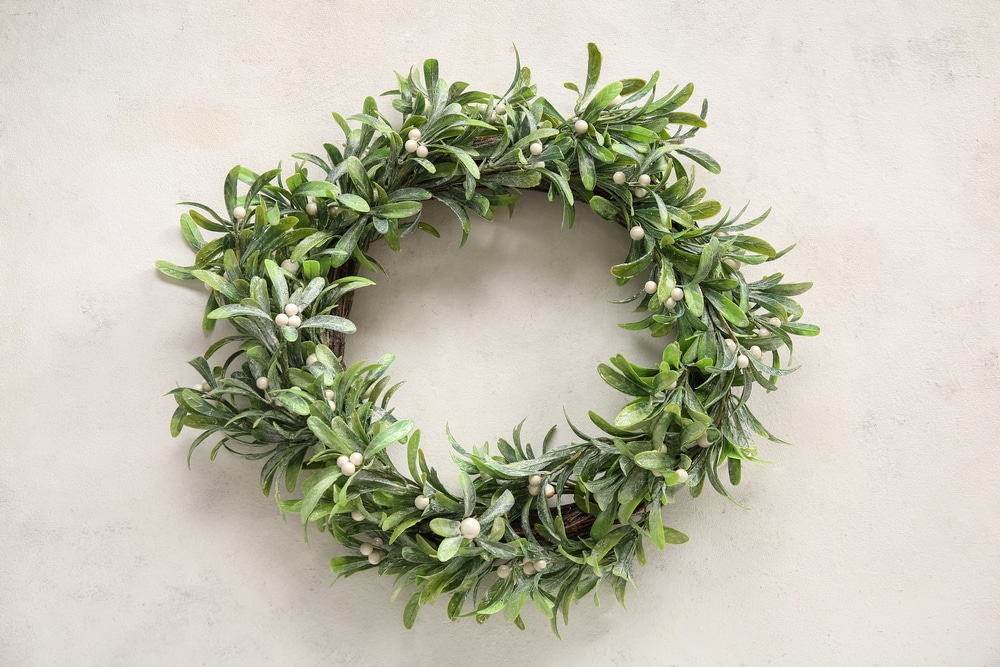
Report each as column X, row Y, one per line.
column 872, row 127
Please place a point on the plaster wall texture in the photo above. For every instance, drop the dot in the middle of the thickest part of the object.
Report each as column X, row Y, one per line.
column 871, row 127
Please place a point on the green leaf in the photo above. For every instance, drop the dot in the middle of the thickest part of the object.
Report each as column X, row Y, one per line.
column 324, row 480
column 468, row 492
column 347, row 244
column 388, row 435
column 604, row 208
column 593, row 69
column 317, row 189
column 274, row 272
column 237, row 310
column 704, row 159
column 353, row 202
column 173, row 270
column 694, row 299
column 356, row 170
column 445, row 527
column 448, row 548
column 727, row 308
column 635, row 413
column 502, row 505
column 801, row 329
column 588, row 174
column 217, row 282
column 651, row 460
column 331, row 322
column 402, row 209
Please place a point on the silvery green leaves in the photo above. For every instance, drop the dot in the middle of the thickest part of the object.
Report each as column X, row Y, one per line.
column 520, row 522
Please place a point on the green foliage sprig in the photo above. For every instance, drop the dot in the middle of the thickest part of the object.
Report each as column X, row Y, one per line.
column 282, row 396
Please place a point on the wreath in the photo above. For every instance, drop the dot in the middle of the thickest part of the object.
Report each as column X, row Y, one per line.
column 283, row 269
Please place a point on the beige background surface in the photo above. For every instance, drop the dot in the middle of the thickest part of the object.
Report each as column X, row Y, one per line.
column 871, row 127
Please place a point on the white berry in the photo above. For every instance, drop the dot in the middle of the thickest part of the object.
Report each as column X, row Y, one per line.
column 366, row 549
column 644, row 179
column 669, row 303
column 290, row 266
column 535, row 480
column 503, row 571
column 618, row 100
column 262, row 383
column 703, row 441
column 469, row 528
column 481, row 108
column 682, row 475
column 656, row 473
column 422, row 151
column 640, row 193
column 348, row 469
column 281, row 320
column 580, row 126
column 731, row 344
column 774, row 322
column 342, row 459
column 528, row 568
column 637, row 233
column 539, row 165
column 375, row 557
column 239, row 213
column 763, row 333
column 742, row 361
column 500, row 108
column 311, row 359
column 672, row 385
column 734, row 264
column 333, row 406
column 421, row 502
column 357, row 458
column 411, row 145
column 549, row 490
column 291, row 309
column 677, row 294
column 377, row 541
column 755, row 351
column 534, row 489
column 294, row 321
column 541, row 564
column 329, row 394
column 357, row 516
column 619, row 177
column 649, row 287
column 536, row 148
column 311, row 208
column 414, row 134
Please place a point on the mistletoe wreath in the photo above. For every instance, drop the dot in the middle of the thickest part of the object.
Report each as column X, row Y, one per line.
column 283, row 272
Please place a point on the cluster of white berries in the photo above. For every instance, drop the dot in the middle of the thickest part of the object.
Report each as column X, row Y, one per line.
column 742, row 361
column 350, row 464
column 676, row 294
column 329, row 399
column 764, row 332
column 499, row 110
column 529, row 566
column 642, row 182
column 289, row 318
column 535, row 487
column 413, row 144
column 469, row 528
column 369, row 549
